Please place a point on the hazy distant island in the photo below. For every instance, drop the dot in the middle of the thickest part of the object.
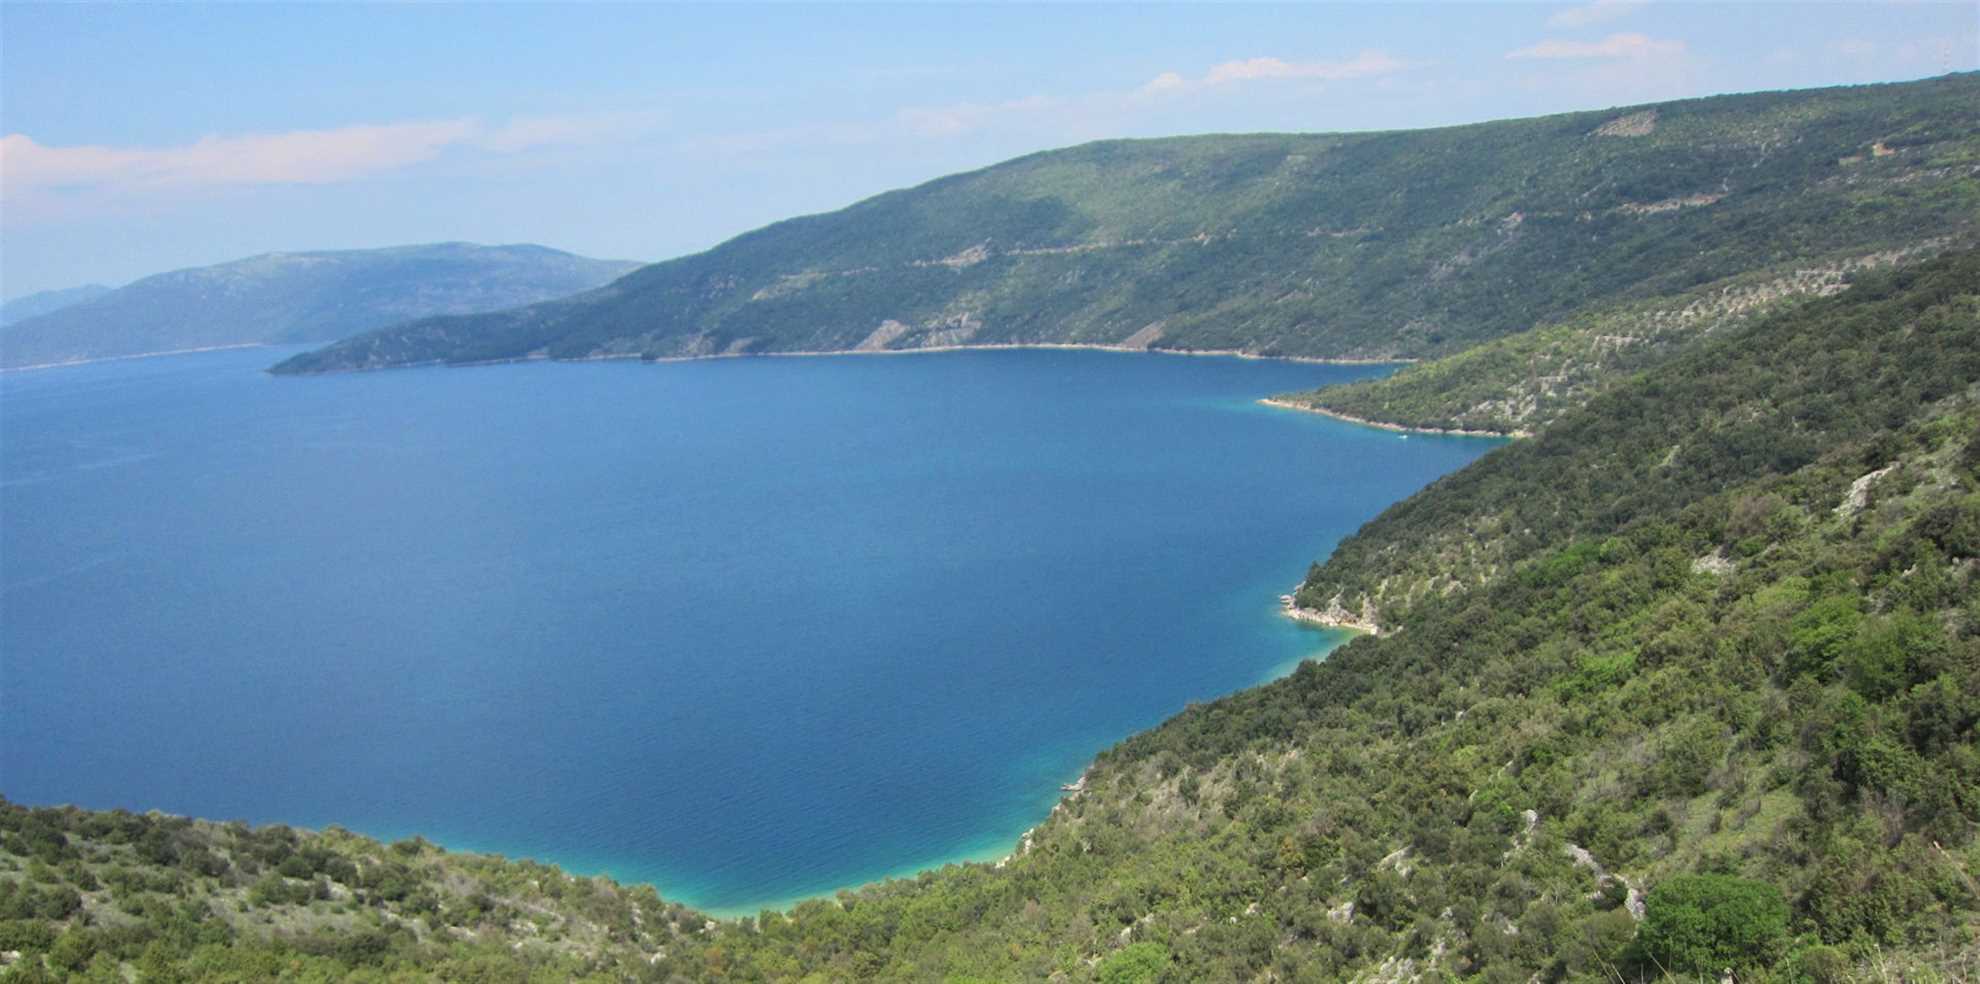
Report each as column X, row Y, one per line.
column 286, row 298
column 42, row 302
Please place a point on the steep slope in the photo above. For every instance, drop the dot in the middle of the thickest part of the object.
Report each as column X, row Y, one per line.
column 299, row 297
column 1486, row 518
column 1372, row 245
column 1519, row 384
column 1712, row 705
column 40, row 303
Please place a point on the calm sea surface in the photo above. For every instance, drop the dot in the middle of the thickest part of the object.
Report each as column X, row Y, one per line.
column 749, row 629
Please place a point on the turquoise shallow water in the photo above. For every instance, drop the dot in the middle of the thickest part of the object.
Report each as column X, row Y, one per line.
column 750, row 630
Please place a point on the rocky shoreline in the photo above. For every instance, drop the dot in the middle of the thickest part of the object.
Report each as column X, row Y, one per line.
column 134, row 355
column 1335, row 617
column 1403, row 428
column 983, row 347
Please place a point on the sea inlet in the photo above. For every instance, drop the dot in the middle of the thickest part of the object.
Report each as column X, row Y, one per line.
column 750, row 630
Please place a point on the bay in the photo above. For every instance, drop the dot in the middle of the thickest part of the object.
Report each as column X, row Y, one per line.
column 751, row 630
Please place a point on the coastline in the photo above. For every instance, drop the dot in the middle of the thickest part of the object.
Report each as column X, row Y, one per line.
column 996, row 851
column 1077, row 347
column 1289, row 607
column 987, row 851
column 999, row 853
column 134, row 355
column 1401, row 428
column 993, row 850
column 826, row 353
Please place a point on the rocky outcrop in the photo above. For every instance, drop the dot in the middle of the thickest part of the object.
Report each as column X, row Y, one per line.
column 1334, row 616
column 882, row 336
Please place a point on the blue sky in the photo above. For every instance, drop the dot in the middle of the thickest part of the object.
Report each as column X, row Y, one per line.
column 141, row 138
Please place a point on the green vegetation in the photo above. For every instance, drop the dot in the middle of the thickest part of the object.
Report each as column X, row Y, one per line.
column 293, row 297
column 1519, row 384
column 1689, row 681
column 1721, row 413
column 1375, row 245
column 1705, row 924
column 91, row 896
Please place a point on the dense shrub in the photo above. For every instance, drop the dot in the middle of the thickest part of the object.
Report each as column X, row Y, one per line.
column 1702, row 924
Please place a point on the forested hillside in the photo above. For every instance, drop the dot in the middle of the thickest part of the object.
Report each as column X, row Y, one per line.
column 1519, row 384
column 1370, row 245
column 1687, row 683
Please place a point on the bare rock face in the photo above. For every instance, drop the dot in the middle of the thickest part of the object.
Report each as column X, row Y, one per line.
column 1335, row 615
column 1858, row 495
column 1715, row 563
column 882, row 336
column 1633, row 125
column 1632, row 902
column 1147, row 335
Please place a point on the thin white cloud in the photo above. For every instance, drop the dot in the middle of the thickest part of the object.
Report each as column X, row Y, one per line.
column 297, row 157
column 530, row 132
column 1637, row 46
column 1589, row 14
column 305, row 157
column 1363, row 65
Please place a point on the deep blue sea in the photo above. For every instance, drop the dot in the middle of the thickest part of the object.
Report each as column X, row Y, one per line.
column 750, row 630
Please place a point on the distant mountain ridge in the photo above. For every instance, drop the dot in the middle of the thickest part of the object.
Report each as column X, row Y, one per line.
column 299, row 297
column 1409, row 244
column 41, row 302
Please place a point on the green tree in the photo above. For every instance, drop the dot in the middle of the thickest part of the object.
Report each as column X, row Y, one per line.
column 1702, row 924
column 72, row 949
column 1139, row 963
column 1595, row 946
